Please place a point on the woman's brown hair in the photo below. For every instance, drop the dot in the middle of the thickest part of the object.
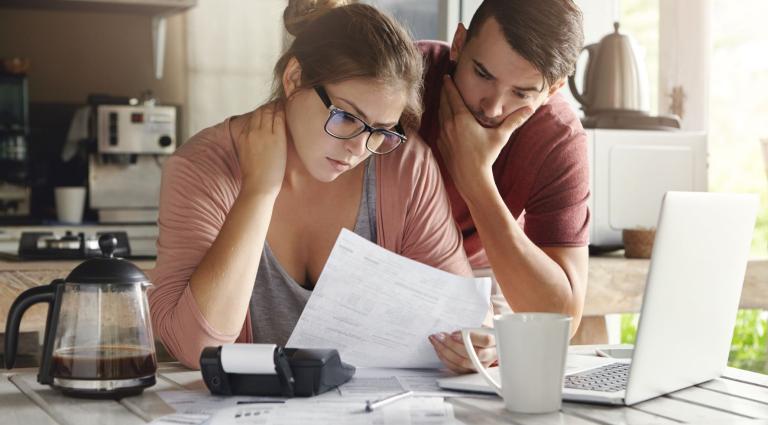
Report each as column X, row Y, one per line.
column 336, row 41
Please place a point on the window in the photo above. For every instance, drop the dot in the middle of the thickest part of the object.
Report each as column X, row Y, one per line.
column 739, row 106
column 426, row 19
column 640, row 19
column 738, row 119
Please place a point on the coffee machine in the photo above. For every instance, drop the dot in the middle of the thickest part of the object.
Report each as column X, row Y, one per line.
column 132, row 143
column 14, row 137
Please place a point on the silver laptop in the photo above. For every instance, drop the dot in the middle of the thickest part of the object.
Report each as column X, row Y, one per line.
column 689, row 309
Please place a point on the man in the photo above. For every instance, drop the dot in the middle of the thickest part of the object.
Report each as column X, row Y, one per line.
column 513, row 154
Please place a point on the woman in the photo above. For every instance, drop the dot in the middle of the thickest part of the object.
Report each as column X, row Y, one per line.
column 251, row 207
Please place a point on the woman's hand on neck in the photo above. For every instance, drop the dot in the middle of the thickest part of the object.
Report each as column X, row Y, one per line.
column 262, row 150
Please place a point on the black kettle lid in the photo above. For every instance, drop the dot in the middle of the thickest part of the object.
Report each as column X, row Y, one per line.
column 107, row 268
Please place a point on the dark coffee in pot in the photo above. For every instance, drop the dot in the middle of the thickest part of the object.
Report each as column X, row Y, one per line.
column 108, row 362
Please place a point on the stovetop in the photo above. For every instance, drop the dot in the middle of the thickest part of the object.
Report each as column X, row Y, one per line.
column 142, row 238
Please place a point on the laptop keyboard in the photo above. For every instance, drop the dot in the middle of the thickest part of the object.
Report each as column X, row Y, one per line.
column 608, row 378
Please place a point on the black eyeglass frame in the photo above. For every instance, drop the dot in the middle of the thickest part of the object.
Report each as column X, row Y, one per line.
column 334, row 110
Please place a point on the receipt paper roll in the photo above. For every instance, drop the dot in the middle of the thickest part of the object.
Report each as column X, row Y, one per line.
column 248, row 358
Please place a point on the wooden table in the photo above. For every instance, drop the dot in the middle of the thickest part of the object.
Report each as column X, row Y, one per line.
column 737, row 397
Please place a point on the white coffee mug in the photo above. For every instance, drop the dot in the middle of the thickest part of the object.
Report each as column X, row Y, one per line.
column 532, row 349
column 70, row 202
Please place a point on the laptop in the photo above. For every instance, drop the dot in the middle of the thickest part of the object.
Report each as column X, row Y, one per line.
column 689, row 309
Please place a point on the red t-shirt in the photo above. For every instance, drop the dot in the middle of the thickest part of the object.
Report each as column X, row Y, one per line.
column 542, row 173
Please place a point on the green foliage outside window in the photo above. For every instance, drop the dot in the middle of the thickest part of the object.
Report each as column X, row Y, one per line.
column 750, row 339
column 749, row 347
column 629, row 328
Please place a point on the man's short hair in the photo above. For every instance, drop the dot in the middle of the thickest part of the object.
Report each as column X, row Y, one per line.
column 547, row 33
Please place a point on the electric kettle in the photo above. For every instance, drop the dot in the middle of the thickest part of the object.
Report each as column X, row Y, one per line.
column 615, row 80
column 98, row 337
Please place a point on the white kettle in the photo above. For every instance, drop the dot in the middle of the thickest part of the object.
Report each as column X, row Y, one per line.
column 615, row 80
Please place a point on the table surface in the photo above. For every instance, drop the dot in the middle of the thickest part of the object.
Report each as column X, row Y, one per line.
column 737, row 397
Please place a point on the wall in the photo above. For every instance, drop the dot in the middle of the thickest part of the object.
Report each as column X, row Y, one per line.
column 76, row 53
column 685, row 54
column 232, row 48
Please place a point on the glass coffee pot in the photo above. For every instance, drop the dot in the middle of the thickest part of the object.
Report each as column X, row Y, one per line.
column 98, row 336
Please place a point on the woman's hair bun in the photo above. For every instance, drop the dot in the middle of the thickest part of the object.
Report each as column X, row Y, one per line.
column 299, row 13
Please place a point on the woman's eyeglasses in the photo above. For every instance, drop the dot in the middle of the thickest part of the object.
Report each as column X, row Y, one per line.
column 344, row 125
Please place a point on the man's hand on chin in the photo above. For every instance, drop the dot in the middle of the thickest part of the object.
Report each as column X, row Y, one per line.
column 469, row 149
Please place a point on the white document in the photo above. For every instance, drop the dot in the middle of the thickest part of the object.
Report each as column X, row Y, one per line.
column 374, row 383
column 204, row 403
column 378, row 308
column 181, row 419
column 414, row 411
column 344, row 405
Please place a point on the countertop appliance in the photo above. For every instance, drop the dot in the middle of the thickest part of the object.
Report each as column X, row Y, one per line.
column 47, row 246
column 615, row 79
column 615, row 88
column 98, row 337
column 124, row 174
column 630, row 170
column 140, row 238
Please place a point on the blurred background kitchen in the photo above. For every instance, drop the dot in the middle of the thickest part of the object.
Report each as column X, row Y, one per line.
column 96, row 94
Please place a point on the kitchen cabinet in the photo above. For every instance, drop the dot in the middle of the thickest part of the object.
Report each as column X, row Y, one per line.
column 159, row 10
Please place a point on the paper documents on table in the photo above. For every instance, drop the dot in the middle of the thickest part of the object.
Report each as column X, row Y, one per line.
column 414, row 411
column 333, row 407
column 204, row 403
column 373, row 383
column 378, row 308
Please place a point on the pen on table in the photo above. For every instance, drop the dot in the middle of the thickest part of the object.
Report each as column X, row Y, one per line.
column 371, row 405
column 260, row 401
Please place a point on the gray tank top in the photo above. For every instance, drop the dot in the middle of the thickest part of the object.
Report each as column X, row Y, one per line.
column 278, row 300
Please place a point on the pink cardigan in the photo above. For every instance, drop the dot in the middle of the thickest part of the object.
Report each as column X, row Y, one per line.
column 201, row 182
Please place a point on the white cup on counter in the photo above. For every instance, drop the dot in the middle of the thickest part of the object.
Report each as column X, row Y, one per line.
column 70, row 203
column 532, row 350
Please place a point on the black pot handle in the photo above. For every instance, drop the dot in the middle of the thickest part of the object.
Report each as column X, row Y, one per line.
column 38, row 294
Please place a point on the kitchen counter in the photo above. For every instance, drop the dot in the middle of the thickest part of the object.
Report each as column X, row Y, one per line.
column 61, row 268
column 142, row 237
column 616, row 285
column 18, row 276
